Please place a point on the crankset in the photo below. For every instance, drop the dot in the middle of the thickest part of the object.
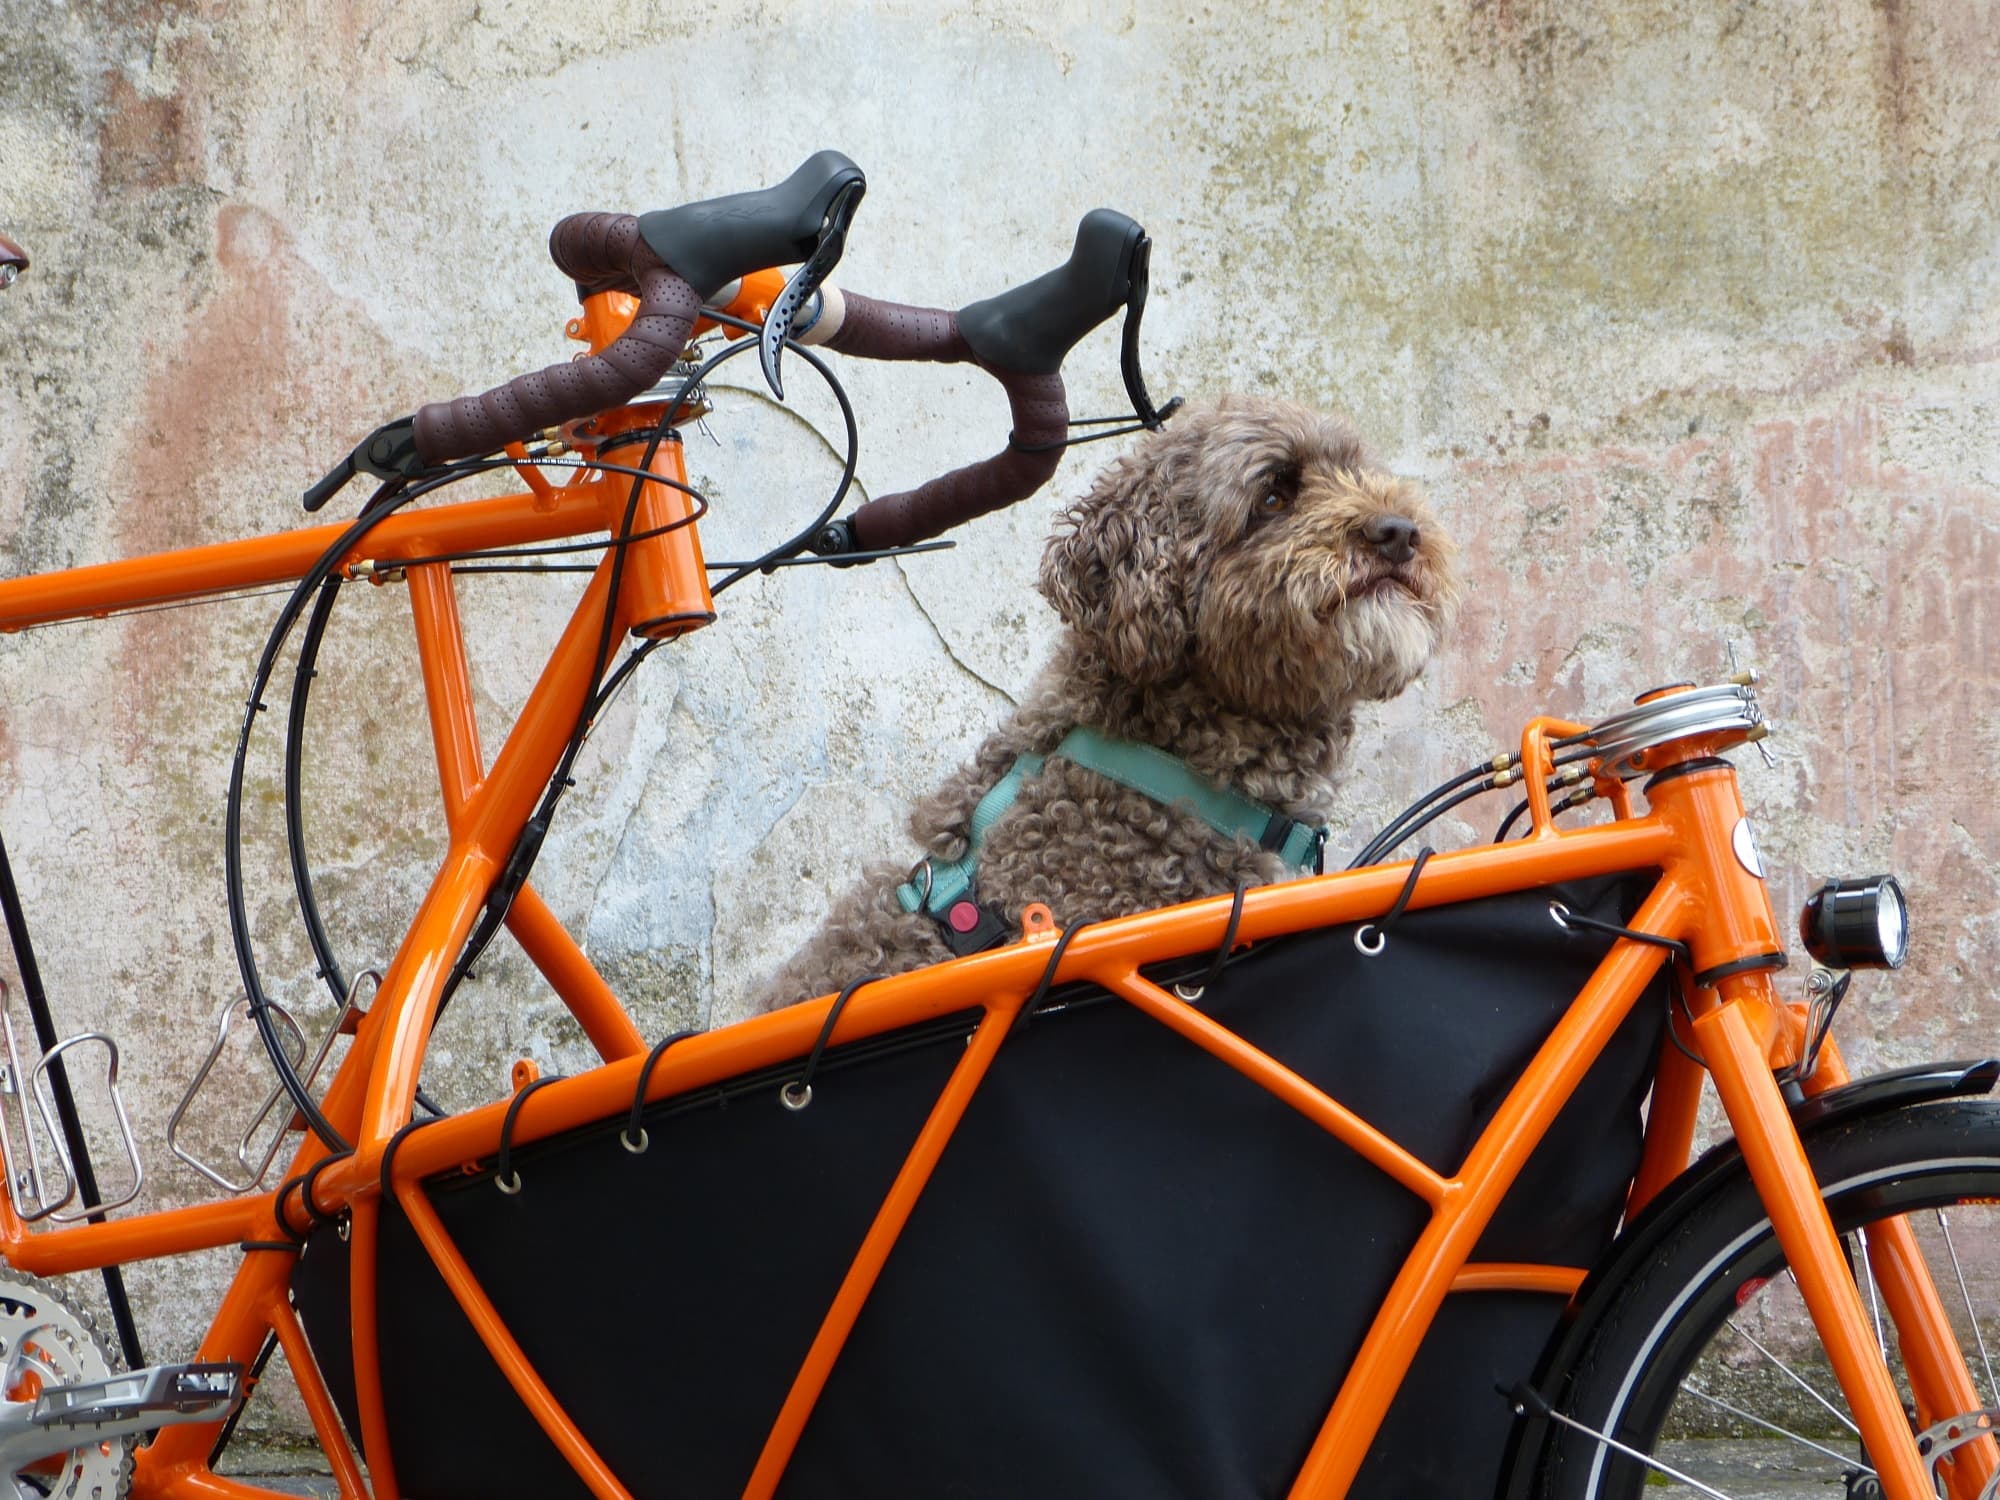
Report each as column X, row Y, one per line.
column 68, row 1415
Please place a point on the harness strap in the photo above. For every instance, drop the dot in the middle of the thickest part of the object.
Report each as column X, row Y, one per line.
column 946, row 883
column 937, row 885
column 1154, row 773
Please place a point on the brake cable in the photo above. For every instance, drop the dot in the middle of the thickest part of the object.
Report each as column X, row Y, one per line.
column 527, row 847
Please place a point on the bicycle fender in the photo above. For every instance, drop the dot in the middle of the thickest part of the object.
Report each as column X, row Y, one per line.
column 1716, row 1169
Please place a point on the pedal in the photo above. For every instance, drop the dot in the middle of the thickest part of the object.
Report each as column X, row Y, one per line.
column 64, row 1417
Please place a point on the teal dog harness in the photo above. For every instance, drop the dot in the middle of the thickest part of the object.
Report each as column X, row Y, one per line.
column 943, row 890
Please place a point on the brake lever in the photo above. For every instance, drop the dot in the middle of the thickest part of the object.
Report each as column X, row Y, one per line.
column 1128, row 359
column 805, row 281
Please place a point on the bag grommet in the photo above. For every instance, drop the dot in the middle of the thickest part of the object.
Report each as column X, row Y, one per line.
column 795, row 1096
column 1361, row 939
column 638, row 1147
column 502, row 1183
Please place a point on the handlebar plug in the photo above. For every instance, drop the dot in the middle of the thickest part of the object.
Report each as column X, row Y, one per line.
column 807, row 280
column 834, row 540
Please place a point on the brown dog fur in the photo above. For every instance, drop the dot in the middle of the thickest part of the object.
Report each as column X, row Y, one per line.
column 1222, row 604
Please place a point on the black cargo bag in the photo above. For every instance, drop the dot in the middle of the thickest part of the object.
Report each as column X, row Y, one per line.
column 1134, row 1272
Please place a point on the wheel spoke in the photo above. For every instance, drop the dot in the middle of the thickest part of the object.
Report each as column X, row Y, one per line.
column 1845, row 1461
column 1794, row 1376
column 1993, row 1387
column 1636, row 1456
column 1874, row 1302
column 1706, row 1343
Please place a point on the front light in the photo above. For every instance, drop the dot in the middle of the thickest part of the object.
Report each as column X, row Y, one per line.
column 1857, row 923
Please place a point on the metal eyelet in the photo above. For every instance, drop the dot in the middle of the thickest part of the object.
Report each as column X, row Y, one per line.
column 638, row 1148
column 501, row 1183
column 1368, row 949
column 1559, row 914
column 795, row 1096
column 1190, row 992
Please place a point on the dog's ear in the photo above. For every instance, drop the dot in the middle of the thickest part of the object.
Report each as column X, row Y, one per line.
column 1115, row 573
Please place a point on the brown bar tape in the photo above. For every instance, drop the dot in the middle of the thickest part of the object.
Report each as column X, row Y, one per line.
column 600, row 252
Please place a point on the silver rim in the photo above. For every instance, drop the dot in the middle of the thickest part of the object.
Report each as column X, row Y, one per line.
column 1762, row 1379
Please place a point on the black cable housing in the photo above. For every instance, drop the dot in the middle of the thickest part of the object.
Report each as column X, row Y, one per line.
column 295, row 834
column 528, row 847
column 385, row 502
column 325, row 581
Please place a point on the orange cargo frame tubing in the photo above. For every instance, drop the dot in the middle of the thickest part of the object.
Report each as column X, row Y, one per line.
column 1703, row 897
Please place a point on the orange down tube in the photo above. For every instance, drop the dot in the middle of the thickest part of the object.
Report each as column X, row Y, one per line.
column 1670, row 1119
column 365, row 1224
column 312, row 1390
column 461, row 769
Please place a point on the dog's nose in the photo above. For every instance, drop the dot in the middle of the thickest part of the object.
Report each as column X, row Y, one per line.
column 1395, row 537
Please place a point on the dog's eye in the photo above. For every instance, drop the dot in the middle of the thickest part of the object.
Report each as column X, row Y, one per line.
column 1283, row 490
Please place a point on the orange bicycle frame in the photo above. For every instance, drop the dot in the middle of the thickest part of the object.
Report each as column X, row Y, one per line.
column 1704, row 897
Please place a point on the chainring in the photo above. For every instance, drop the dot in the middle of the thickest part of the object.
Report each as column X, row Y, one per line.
column 57, row 1344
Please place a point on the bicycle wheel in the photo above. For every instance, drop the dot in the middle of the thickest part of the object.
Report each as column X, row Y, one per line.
column 1710, row 1338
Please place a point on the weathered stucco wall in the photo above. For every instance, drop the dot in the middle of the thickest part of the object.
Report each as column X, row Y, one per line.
column 1685, row 315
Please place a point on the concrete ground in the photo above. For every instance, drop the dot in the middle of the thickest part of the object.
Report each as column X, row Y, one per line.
column 288, row 1469
column 1751, row 1470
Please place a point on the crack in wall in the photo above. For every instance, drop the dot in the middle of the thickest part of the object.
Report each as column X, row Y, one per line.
column 945, row 641
column 902, row 574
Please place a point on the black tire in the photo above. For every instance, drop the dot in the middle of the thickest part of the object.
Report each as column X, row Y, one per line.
column 1686, row 1311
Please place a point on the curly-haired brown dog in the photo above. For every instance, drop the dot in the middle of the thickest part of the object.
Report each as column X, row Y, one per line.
column 1231, row 588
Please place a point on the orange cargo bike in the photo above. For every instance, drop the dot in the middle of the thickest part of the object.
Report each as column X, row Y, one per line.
column 1337, row 1187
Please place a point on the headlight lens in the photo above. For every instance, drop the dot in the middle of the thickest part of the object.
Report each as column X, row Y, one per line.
column 1857, row 923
